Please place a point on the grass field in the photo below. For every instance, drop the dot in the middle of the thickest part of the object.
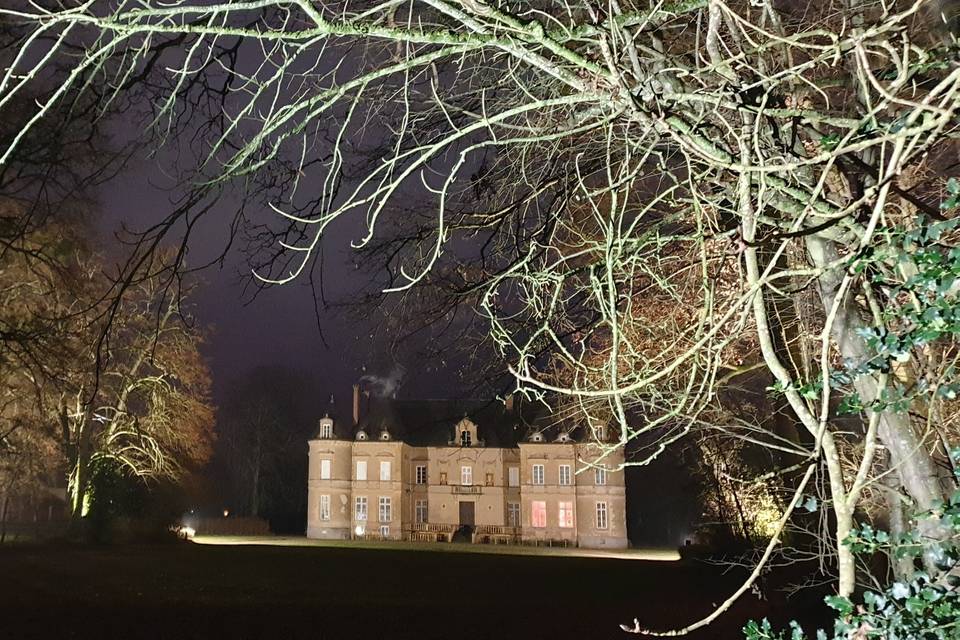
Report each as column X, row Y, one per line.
column 296, row 589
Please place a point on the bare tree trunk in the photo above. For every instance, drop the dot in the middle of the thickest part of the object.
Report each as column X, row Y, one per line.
column 3, row 517
column 909, row 456
column 902, row 567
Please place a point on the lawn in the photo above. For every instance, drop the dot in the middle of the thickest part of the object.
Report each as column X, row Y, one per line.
column 332, row 592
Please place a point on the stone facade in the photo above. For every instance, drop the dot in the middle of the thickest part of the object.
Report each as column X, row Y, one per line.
column 541, row 490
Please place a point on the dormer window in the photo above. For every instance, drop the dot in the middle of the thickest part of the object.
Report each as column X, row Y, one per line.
column 326, row 428
column 563, row 437
column 384, row 435
column 466, row 434
column 361, row 435
column 537, row 437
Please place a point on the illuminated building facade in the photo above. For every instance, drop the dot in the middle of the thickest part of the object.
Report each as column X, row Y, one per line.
column 478, row 471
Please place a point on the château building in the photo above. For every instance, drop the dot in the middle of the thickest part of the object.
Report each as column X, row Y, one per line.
column 431, row 469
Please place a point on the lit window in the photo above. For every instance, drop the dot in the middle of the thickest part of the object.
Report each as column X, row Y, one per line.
column 513, row 514
column 465, row 440
column 565, row 518
column 538, row 514
column 421, row 474
column 600, row 476
column 537, row 474
column 601, row 515
column 324, row 507
column 385, row 509
column 384, row 470
column 466, row 475
column 324, row 469
column 361, row 469
column 421, row 511
column 361, row 508
column 384, row 530
column 514, row 473
column 564, row 474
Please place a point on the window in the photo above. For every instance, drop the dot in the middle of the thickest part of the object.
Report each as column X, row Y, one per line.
column 537, row 474
column 420, row 512
column 601, row 515
column 384, row 530
column 466, row 475
column 600, row 476
column 564, row 474
column 324, row 469
column 324, row 507
column 421, row 474
column 384, row 470
column 361, row 508
column 513, row 514
column 565, row 518
column 361, row 469
column 465, row 440
column 326, row 430
column 538, row 514
column 489, row 480
column 385, row 509
column 443, row 477
column 514, row 473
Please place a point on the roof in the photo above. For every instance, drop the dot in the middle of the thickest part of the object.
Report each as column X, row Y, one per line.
column 423, row 423
column 430, row 423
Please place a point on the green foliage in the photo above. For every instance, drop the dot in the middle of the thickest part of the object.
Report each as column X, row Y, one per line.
column 925, row 607
column 918, row 272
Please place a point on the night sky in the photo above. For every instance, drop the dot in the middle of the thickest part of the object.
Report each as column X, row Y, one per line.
column 280, row 325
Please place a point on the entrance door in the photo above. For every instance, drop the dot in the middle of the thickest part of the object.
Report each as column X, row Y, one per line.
column 466, row 512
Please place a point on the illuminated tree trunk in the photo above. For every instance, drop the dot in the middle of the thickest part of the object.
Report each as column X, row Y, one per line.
column 909, row 456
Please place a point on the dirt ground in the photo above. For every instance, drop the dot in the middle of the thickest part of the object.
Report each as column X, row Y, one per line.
column 237, row 591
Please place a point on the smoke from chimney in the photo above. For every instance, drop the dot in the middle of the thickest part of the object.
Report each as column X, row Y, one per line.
column 385, row 386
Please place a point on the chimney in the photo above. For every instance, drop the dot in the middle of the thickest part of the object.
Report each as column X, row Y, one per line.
column 356, row 404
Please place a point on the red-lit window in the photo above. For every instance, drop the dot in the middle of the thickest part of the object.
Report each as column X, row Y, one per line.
column 538, row 514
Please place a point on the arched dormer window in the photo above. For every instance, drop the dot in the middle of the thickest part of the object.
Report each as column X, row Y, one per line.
column 537, row 437
column 563, row 437
column 466, row 433
column 384, row 435
column 361, row 435
column 326, row 428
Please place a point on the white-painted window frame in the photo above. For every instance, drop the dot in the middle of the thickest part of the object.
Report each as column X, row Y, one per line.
column 385, row 509
column 600, row 476
column 603, row 521
column 537, row 474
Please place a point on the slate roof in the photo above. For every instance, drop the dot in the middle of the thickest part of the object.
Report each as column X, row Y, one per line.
column 423, row 423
